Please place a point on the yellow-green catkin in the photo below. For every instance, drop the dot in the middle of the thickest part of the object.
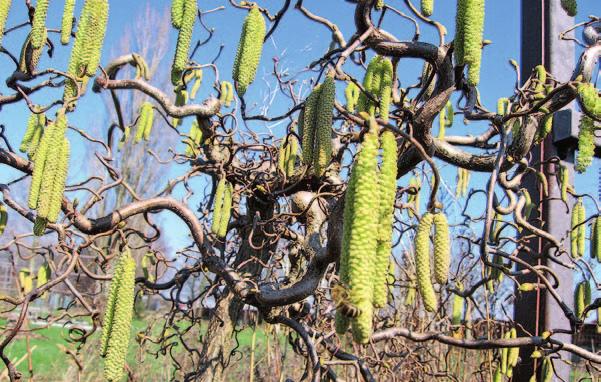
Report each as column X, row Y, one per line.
column 43, row 275
column 227, row 93
column 387, row 195
column 226, row 210
column 351, row 93
column 422, row 262
column 222, row 206
column 458, row 41
column 29, row 57
column 145, row 122
column 372, row 77
column 181, row 98
column 194, row 140
column 442, row 248
column 514, row 353
column 586, row 143
column 109, row 312
column 197, row 83
column 540, row 78
column 54, row 172
column 362, row 243
column 118, row 338
column 379, row 4
column 87, row 48
column 25, row 280
column 427, row 7
column 3, row 218
column 67, row 21
column 180, row 60
column 342, row 322
column 570, row 6
column 287, row 155
column 177, row 11
column 38, row 24
column 589, row 99
column 4, row 8
column 596, row 239
column 218, row 204
column 578, row 233
column 547, row 370
column 385, row 91
column 323, row 126
column 60, row 180
column 307, row 124
column 470, row 20
column 50, row 171
column 250, row 48
column 564, row 181
column 33, row 134
column 582, row 298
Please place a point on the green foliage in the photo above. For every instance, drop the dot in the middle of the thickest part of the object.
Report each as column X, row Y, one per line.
column 249, row 50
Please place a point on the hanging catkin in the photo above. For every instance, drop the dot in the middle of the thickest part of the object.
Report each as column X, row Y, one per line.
column 67, row 21
column 422, row 262
column 118, row 319
column 180, row 60
column 4, row 8
column 360, row 244
column 250, row 48
column 387, row 194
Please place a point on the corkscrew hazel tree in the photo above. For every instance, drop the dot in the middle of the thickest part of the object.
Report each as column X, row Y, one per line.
column 279, row 252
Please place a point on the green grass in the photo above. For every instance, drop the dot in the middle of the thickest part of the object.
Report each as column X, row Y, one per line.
column 51, row 363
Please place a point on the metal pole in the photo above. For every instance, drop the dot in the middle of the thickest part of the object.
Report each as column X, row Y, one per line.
column 541, row 23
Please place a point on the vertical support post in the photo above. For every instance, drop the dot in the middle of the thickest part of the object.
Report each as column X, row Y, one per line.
column 541, row 23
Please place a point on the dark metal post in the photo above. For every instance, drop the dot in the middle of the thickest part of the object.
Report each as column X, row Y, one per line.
column 542, row 21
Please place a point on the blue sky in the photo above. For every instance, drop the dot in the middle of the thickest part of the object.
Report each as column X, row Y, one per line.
column 297, row 42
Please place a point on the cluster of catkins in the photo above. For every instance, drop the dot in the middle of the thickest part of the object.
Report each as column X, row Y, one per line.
column 365, row 257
